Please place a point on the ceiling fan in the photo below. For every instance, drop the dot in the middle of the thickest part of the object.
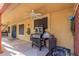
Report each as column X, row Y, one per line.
column 32, row 14
column 35, row 15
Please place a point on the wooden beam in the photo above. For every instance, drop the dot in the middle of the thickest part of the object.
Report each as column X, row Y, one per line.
column 5, row 6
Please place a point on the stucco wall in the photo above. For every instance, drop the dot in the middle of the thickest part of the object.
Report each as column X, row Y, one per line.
column 25, row 22
column 60, row 27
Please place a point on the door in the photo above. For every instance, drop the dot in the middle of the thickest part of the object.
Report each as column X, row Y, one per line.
column 14, row 31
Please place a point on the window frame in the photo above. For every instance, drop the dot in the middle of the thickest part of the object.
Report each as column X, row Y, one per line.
column 21, row 29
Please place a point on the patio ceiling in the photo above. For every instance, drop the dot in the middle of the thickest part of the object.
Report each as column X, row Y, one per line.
column 3, row 7
column 17, row 12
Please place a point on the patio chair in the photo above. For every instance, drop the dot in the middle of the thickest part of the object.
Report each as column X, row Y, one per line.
column 59, row 51
column 36, row 40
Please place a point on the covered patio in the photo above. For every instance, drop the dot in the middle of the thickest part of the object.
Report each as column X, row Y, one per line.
column 18, row 18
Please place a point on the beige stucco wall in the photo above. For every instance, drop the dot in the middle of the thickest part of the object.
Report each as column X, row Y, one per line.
column 25, row 22
column 60, row 27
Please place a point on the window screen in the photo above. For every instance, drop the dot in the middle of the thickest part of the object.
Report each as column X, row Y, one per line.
column 21, row 29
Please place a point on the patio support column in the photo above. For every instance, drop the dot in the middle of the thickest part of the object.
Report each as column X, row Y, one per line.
column 76, row 40
column 0, row 36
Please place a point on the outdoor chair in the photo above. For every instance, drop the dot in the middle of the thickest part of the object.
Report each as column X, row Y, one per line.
column 59, row 51
column 36, row 40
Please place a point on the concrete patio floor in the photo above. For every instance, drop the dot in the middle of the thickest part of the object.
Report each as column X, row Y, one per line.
column 20, row 48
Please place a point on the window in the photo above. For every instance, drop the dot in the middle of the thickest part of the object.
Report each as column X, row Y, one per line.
column 21, row 29
column 8, row 29
column 41, row 23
